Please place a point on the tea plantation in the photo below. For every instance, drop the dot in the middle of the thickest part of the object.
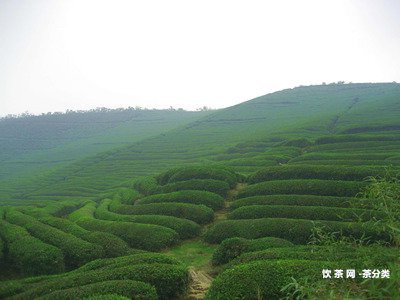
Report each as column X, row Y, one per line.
column 249, row 202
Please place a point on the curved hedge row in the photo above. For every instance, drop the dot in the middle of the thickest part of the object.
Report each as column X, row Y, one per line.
column 198, row 172
column 370, row 255
column 111, row 244
column 304, row 187
column 234, row 247
column 335, row 172
column 262, row 279
column 211, row 185
column 200, row 214
column 129, row 288
column 142, row 236
column 297, row 231
column 30, row 255
column 76, row 251
column 185, row 228
column 295, row 200
column 85, row 212
column 169, row 280
column 209, row 199
column 355, row 138
column 305, row 212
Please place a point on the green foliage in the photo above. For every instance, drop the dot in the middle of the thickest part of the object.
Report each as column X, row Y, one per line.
column 304, row 187
column 76, row 251
column 129, row 288
column 209, row 199
column 234, row 247
column 261, row 279
column 29, row 255
column 85, row 212
column 142, row 236
column 355, row 138
column 314, row 172
column 111, row 244
column 200, row 214
column 211, row 185
column 198, row 172
column 301, row 143
column 305, row 212
column 294, row 200
column 297, row 231
column 145, row 185
column 185, row 228
column 169, row 280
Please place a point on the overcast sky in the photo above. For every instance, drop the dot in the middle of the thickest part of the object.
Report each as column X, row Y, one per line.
column 82, row 54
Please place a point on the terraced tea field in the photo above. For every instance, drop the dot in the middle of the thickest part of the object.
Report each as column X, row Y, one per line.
column 235, row 218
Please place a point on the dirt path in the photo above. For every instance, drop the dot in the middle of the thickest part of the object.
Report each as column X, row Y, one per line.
column 200, row 282
column 200, row 279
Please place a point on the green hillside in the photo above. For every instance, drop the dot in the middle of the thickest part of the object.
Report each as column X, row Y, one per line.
column 33, row 145
column 248, row 202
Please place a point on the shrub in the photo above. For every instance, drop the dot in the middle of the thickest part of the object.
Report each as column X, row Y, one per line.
column 262, row 279
column 30, row 255
column 295, row 230
column 145, row 185
column 209, row 199
column 198, row 172
column 233, row 247
column 295, row 200
column 304, row 187
column 111, row 244
column 185, row 228
column 211, row 185
column 355, row 138
column 200, row 214
column 76, row 251
column 86, row 211
column 129, row 288
column 141, row 236
column 169, row 280
column 305, row 212
column 1, row 251
column 314, row 172
column 108, row 297
column 367, row 256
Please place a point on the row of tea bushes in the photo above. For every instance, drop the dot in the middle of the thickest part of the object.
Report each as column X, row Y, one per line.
column 169, row 279
column 198, row 172
column 211, row 185
column 111, row 244
column 27, row 254
column 141, row 236
column 315, row 156
column 297, row 231
column 200, row 214
column 295, row 200
column 371, row 256
column 305, row 212
column 335, row 172
column 209, row 199
column 304, row 187
column 76, row 251
column 356, row 138
column 185, row 228
column 264, row 274
column 234, row 247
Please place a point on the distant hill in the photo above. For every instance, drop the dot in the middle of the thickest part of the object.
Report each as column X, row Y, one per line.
column 32, row 145
column 230, row 136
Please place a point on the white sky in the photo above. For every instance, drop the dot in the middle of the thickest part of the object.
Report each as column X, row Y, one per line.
column 82, row 54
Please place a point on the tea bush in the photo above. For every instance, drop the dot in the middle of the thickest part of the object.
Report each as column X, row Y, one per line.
column 29, row 255
column 297, row 231
column 234, row 247
column 200, row 214
column 142, row 236
column 335, row 172
column 304, row 187
column 129, row 288
column 211, row 185
column 185, row 228
column 305, row 212
column 111, row 244
column 198, row 172
column 209, row 199
column 294, row 200
column 76, row 251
